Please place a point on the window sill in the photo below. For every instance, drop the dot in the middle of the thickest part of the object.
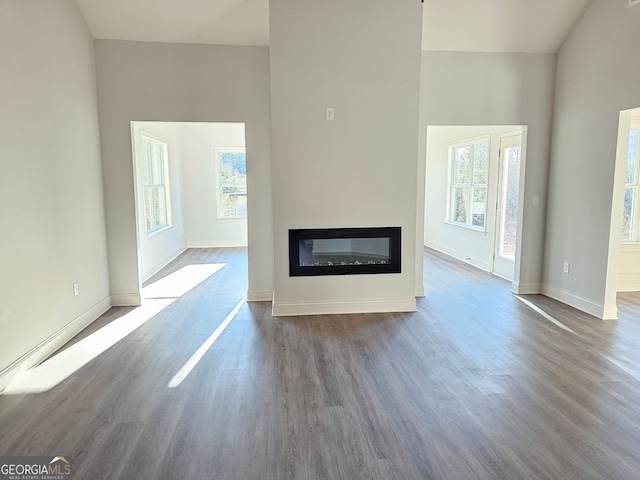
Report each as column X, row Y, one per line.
column 231, row 219
column 468, row 227
column 155, row 232
column 630, row 246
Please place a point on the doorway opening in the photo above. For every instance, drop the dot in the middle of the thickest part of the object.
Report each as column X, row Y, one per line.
column 190, row 189
column 507, row 204
column 473, row 195
column 623, row 276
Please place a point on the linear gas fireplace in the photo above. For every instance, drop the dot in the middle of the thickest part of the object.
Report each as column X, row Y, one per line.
column 344, row 251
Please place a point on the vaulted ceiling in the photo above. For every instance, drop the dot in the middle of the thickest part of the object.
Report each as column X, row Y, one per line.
column 450, row 25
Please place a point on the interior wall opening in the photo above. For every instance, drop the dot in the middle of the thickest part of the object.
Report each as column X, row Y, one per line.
column 190, row 189
column 473, row 195
column 623, row 283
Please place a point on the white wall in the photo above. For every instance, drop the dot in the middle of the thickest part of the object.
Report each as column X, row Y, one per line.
column 597, row 77
column 465, row 244
column 629, row 268
column 363, row 59
column 204, row 229
column 172, row 82
column 495, row 89
column 51, row 202
column 159, row 248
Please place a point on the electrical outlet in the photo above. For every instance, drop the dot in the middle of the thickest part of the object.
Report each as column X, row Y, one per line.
column 76, row 289
column 330, row 114
column 567, row 267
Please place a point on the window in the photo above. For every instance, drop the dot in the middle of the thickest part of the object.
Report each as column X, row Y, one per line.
column 631, row 209
column 156, row 184
column 231, row 182
column 468, row 176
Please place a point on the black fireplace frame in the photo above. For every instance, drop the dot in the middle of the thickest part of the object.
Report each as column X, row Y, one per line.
column 394, row 234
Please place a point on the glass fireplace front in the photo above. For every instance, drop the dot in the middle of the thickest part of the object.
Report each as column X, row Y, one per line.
column 344, row 251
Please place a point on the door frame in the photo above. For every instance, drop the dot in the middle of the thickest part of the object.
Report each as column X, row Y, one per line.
column 499, row 195
column 610, row 310
column 525, row 248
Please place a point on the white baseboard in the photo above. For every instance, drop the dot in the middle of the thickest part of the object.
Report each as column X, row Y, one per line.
column 126, row 300
column 214, row 244
column 331, row 308
column 526, row 288
column 42, row 351
column 610, row 313
column 460, row 256
column 260, row 296
column 419, row 291
column 499, row 275
column 597, row 310
column 151, row 271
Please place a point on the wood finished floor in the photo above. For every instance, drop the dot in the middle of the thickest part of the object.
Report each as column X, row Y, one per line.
column 475, row 385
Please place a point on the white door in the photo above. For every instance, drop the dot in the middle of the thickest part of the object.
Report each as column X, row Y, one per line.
column 507, row 206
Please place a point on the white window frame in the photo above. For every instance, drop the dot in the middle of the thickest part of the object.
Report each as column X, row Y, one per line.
column 218, row 181
column 635, row 185
column 147, row 165
column 470, row 186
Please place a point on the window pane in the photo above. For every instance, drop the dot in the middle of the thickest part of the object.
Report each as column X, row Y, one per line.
column 234, row 204
column 627, row 214
column 632, row 157
column 460, row 205
column 159, row 206
column 146, row 162
column 478, row 207
column 461, row 165
column 233, row 167
column 241, row 205
column 480, row 163
column 155, row 202
column 157, row 167
column 510, row 205
column 156, row 183
column 234, row 201
column 147, row 208
column 233, row 184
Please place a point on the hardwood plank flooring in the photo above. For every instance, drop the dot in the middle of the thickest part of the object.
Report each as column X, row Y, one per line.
column 475, row 385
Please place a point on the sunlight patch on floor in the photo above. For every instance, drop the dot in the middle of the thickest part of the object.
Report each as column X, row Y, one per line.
column 157, row 296
column 64, row 364
column 623, row 367
column 181, row 281
column 204, row 348
column 538, row 310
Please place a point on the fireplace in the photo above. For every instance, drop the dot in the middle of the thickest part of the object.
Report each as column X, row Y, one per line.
column 344, row 251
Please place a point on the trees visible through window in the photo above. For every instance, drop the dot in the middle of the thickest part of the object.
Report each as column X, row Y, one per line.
column 631, row 210
column 156, row 184
column 469, row 170
column 231, row 180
